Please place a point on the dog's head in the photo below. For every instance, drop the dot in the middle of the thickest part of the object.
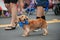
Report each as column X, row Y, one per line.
column 22, row 18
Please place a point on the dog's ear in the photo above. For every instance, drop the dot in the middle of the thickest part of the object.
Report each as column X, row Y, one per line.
column 19, row 19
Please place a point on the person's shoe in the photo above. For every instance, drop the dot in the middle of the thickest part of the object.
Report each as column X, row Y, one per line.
column 10, row 28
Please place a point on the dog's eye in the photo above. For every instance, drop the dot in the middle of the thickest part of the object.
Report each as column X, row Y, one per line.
column 26, row 18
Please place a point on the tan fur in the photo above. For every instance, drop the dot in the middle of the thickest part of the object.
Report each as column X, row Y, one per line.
column 34, row 24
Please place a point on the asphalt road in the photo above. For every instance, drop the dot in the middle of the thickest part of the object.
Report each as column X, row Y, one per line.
column 53, row 30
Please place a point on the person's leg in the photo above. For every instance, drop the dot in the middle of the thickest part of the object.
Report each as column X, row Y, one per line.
column 40, row 9
column 40, row 12
column 7, row 5
column 21, row 4
column 14, row 15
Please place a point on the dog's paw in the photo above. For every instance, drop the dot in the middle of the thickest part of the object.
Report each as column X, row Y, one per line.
column 45, row 34
column 25, row 35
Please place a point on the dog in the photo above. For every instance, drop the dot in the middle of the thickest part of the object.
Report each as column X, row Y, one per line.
column 32, row 25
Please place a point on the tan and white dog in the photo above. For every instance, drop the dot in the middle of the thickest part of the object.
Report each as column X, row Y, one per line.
column 33, row 24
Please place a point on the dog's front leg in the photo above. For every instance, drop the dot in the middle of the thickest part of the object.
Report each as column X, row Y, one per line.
column 26, row 32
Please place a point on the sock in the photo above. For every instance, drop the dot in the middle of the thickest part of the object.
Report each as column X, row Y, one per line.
column 37, row 17
column 43, row 17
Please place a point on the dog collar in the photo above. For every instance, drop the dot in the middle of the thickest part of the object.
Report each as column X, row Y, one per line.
column 21, row 24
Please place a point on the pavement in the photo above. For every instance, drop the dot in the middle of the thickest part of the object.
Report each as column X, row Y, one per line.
column 53, row 29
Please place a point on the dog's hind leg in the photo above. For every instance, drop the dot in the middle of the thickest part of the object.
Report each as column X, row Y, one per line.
column 45, row 31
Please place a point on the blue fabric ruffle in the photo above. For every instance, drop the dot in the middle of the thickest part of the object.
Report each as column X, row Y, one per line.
column 21, row 24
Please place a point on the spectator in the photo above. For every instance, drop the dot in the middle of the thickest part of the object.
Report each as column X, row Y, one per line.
column 41, row 4
column 11, row 6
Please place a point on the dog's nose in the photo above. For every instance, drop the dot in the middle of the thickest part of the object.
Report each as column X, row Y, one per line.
column 24, row 19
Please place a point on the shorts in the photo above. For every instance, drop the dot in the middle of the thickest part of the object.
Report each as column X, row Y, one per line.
column 10, row 1
column 42, row 3
column 25, row 5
